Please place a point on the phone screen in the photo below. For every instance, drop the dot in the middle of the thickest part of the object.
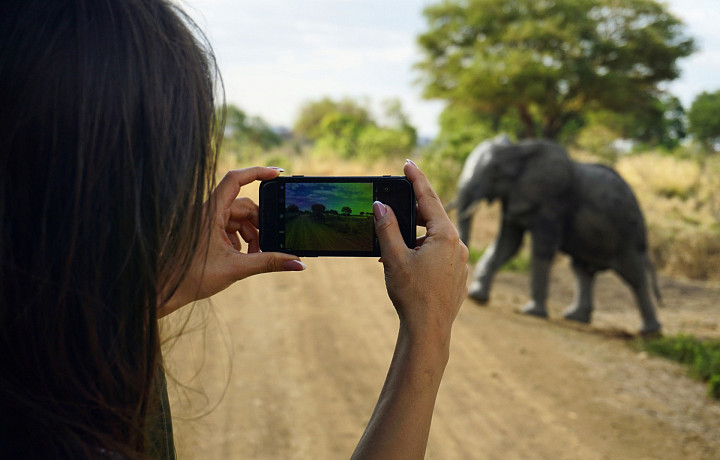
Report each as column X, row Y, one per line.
column 328, row 216
column 331, row 216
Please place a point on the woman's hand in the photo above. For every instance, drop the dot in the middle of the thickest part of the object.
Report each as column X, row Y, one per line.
column 427, row 285
column 218, row 260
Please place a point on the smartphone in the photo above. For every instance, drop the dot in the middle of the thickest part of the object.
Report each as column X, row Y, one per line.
column 331, row 216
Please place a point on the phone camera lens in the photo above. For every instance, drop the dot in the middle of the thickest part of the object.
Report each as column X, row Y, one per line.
column 387, row 189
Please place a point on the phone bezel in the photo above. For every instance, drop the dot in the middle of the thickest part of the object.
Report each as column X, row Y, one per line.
column 270, row 203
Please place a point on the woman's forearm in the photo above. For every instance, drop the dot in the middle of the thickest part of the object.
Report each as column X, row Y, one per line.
column 400, row 424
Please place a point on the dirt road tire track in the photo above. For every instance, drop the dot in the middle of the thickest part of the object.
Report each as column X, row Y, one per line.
column 310, row 350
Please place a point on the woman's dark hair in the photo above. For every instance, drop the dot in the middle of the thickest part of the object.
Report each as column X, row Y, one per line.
column 107, row 152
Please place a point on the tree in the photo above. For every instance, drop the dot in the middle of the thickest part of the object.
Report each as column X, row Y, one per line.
column 704, row 120
column 312, row 119
column 662, row 124
column 245, row 130
column 347, row 129
column 318, row 212
column 544, row 63
column 398, row 120
column 346, row 211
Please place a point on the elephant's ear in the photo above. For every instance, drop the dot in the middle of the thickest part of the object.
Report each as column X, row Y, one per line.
column 543, row 173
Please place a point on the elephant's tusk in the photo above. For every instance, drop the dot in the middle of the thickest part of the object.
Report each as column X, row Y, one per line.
column 469, row 211
column 452, row 205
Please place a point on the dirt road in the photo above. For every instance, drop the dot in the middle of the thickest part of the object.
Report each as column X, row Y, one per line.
column 302, row 232
column 301, row 358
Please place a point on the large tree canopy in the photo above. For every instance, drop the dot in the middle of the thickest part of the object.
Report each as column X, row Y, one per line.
column 545, row 62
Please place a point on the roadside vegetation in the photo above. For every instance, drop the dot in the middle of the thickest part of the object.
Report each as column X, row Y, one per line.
column 678, row 189
column 701, row 356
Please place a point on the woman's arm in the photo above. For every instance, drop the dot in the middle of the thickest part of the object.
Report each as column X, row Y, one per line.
column 427, row 285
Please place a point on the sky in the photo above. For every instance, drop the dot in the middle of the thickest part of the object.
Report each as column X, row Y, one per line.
column 357, row 196
column 274, row 55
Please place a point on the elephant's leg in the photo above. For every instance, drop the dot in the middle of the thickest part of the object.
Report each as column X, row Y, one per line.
column 632, row 270
column 503, row 248
column 539, row 280
column 582, row 306
column 545, row 242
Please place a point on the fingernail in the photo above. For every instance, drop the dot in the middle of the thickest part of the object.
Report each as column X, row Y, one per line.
column 379, row 210
column 411, row 162
column 294, row 266
column 275, row 167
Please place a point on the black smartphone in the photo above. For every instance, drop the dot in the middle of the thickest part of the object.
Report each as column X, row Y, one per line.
column 330, row 215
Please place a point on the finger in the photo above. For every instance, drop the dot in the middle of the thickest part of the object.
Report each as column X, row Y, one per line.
column 266, row 262
column 251, row 236
column 235, row 241
column 229, row 187
column 419, row 219
column 234, row 226
column 430, row 208
column 392, row 245
column 245, row 208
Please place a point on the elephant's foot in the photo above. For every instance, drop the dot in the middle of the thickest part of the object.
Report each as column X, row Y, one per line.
column 650, row 328
column 478, row 293
column 532, row 308
column 575, row 313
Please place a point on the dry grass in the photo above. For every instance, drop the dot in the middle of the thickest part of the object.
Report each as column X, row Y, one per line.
column 664, row 176
column 302, row 161
column 681, row 202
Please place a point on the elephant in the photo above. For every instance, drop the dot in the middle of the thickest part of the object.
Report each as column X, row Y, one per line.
column 584, row 210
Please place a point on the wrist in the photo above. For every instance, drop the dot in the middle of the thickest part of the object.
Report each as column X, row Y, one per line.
column 428, row 346
column 175, row 302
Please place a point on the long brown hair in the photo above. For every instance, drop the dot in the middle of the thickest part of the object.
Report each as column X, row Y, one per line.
column 107, row 152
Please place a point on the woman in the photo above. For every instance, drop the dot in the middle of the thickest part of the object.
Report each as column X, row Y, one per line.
column 110, row 219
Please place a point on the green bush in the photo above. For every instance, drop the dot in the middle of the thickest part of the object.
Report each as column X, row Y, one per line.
column 375, row 143
column 703, row 357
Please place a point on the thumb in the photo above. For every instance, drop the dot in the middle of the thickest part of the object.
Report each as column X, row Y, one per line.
column 388, row 233
column 266, row 262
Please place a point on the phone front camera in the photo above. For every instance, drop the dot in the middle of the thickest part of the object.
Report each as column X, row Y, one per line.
column 387, row 189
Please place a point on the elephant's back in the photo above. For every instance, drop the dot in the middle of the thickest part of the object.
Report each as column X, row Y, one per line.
column 604, row 188
column 606, row 212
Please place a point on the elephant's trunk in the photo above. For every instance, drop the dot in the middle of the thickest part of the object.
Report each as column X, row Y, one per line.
column 464, row 224
column 465, row 210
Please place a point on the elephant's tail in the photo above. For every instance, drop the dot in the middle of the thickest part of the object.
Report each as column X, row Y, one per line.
column 653, row 279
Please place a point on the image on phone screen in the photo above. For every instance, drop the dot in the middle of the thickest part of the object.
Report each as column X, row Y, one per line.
column 329, row 216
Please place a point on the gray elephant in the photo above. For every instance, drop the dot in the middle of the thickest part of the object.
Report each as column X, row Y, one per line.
column 585, row 210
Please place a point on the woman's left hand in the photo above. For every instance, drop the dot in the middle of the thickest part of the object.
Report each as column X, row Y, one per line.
column 218, row 260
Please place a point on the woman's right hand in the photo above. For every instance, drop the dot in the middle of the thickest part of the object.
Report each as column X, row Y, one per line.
column 427, row 284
